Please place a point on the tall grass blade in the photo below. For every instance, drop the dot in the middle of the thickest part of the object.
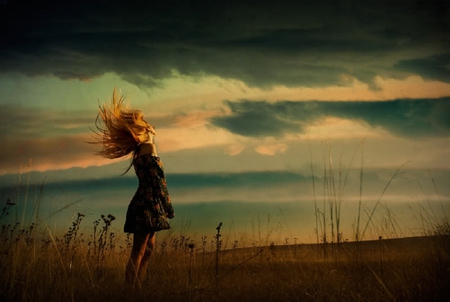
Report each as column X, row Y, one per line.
column 314, row 194
column 381, row 196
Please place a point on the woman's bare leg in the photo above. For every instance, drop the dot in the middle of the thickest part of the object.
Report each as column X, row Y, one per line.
column 137, row 253
column 145, row 259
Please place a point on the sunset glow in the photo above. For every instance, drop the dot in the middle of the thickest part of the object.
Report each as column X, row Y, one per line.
column 249, row 108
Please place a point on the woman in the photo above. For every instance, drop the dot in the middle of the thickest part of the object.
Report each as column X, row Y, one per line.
column 121, row 132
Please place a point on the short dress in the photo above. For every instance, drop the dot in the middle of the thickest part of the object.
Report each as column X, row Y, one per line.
column 151, row 205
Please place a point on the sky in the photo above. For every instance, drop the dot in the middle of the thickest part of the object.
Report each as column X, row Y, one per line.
column 266, row 113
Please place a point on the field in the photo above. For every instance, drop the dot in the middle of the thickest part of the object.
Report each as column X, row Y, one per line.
column 88, row 263
column 35, row 266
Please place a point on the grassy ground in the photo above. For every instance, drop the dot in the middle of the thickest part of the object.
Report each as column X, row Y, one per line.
column 37, row 266
column 78, row 269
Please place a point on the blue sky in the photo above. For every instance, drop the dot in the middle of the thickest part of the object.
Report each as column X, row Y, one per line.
column 245, row 98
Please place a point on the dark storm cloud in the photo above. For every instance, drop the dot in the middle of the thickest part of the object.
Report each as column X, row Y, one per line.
column 264, row 44
column 251, row 118
column 430, row 68
column 404, row 117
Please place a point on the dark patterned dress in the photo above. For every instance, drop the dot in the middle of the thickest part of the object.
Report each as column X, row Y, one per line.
column 150, row 206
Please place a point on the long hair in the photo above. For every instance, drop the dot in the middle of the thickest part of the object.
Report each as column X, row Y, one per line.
column 119, row 129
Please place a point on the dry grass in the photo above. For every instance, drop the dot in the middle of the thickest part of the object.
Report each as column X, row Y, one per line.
column 36, row 266
column 409, row 269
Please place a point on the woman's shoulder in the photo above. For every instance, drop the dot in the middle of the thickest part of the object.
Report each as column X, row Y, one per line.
column 147, row 149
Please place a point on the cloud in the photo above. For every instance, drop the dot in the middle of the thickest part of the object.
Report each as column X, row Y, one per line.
column 22, row 122
column 257, row 119
column 263, row 186
column 40, row 154
column 261, row 44
column 58, row 138
column 235, row 180
column 50, row 139
column 430, row 68
column 405, row 117
column 242, row 201
column 271, row 149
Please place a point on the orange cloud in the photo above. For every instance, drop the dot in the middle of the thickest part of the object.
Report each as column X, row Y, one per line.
column 271, row 149
column 209, row 92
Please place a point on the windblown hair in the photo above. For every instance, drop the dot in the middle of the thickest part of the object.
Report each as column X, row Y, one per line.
column 118, row 128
